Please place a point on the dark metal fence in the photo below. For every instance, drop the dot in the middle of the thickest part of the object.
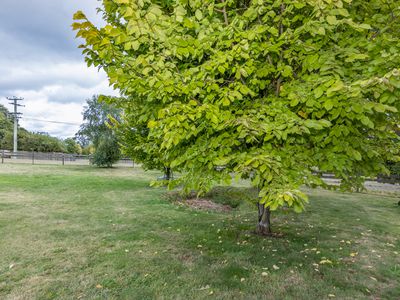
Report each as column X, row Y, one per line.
column 33, row 157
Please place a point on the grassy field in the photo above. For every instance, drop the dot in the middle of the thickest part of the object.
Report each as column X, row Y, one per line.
column 77, row 232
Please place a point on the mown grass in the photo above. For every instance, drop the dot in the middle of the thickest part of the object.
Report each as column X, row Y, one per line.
column 78, row 232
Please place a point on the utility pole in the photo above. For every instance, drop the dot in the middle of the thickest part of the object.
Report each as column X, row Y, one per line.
column 16, row 115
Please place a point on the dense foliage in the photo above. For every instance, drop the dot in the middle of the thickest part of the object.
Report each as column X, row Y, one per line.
column 107, row 152
column 6, row 124
column 71, row 146
column 277, row 91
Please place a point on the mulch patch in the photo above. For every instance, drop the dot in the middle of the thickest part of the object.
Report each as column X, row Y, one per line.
column 205, row 204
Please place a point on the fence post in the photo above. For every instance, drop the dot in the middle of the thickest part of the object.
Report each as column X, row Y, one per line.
column 2, row 157
column 33, row 157
column 63, row 159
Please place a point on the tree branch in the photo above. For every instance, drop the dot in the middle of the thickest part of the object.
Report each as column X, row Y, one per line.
column 224, row 13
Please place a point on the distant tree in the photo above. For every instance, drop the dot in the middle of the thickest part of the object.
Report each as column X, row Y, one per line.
column 107, row 151
column 71, row 146
column 6, row 126
column 96, row 116
column 96, row 131
column 88, row 150
column 29, row 141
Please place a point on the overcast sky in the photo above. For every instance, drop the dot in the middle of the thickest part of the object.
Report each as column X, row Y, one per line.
column 40, row 61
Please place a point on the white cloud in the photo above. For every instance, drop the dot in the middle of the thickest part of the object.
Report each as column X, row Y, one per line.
column 45, row 104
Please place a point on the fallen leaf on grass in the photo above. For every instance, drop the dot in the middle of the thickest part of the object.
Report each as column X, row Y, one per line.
column 331, row 296
column 264, row 274
column 373, row 278
column 275, row 267
column 353, row 254
column 204, row 288
column 325, row 261
column 99, row 286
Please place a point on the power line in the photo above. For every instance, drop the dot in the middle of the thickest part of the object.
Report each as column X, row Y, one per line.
column 51, row 121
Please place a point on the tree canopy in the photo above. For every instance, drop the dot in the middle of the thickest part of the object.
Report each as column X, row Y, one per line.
column 278, row 91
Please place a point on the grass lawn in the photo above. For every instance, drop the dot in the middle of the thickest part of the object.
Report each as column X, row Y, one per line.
column 78, row 232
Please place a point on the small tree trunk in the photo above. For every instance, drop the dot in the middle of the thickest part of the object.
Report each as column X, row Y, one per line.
column 167, row 173
column 264, row 220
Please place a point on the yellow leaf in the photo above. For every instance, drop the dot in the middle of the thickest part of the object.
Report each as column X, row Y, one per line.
column 325, row 261
column 151, row 124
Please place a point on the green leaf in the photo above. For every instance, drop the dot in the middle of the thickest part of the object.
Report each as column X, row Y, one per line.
column 337, row 86
column 156, row 11
column 287, row 71
column 328, row 104
column 243, row 72
column 199, row 14
column 364, row 26
column 367, row 122
column 380, row 107
column 151, row 124
column 357, row 155
column 294, row 102
column 321, row 31
column 318, row 92
column 332, row 20
column 79, row 15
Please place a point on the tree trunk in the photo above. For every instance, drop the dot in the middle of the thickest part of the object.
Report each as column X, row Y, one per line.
column 167, row 173
column 264, row 220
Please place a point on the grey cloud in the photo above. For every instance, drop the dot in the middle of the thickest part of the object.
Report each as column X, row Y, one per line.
column 42, row 25
column 40, row 61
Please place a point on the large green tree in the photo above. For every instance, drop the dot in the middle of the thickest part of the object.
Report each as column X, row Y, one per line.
column 278, row 91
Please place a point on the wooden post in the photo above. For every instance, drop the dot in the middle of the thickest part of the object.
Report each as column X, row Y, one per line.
column 2, row 157
column 63, row 159
column 33, row 157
